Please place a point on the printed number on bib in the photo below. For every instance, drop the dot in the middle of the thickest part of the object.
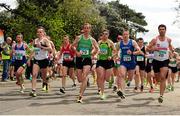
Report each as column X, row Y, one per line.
column 84, row 51
column 140, row 58
column 66, row 56
column 150, row 60
column 19, row 56
column 103, row 51
column 36, row 50
column 172, row 63
column 126, row 58
column 162, row 53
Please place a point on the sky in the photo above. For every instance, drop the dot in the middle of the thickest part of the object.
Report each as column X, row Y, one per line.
column 156, row 12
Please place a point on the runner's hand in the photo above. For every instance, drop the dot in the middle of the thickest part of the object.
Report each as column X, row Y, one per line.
column 78, row 54
column 129, row 52
column 109, row 58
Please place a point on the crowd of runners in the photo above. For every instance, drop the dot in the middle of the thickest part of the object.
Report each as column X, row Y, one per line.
column 120, row 63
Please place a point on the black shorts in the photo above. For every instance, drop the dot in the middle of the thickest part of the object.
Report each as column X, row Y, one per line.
column 141, row 65
column 17, row 64
column 106, row 64
column 69, row 64
column 51, row 63
column 42, row 63
column 149, row 67
column 159, row 64
column 80, row 62
column 173, row 69
column 178, row 69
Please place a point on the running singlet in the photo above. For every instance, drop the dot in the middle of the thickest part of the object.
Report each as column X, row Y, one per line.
column 105, row 51
column 40, row 54
column 20, row 53
column 172, row 62
column 67, row 53
column 124, row 48
column 162, row 53
column 141, row 58
column 150, row 57
column 85, row 47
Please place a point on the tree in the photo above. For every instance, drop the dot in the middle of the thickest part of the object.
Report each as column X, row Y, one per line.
column 120, row 17
column 60, row 17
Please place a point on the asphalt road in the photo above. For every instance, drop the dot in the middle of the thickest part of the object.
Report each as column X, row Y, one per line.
column 13, row 102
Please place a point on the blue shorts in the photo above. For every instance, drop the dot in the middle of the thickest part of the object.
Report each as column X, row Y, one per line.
column 128, row 65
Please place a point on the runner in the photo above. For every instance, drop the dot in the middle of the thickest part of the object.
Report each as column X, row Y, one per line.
column 51, row 58
column 68, row 62
column 149, row 70
column 41, row 48
column 19, row 51
column 84, row 44
column 160, row 45
column 172, row 70
column 127, row 61
column 28, row 73
column 116, row 62
column 105, row 62
column 140, row 66
column 178, row 68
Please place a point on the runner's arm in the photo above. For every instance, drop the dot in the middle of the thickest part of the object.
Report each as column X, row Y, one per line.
column 151, row 45
column 138, row 50
column 96, row 47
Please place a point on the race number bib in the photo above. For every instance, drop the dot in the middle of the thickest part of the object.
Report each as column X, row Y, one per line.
column 162, row 53
column 103, row 51
column 18, row 56
column 36, row 50
column 127, row 58
column 172, row 63
column 66, row 56
column 84, row 51
column 150, row 60
column 140, row 58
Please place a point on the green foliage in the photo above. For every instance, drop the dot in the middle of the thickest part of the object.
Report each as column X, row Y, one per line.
column 60, row 17
column 120, row 17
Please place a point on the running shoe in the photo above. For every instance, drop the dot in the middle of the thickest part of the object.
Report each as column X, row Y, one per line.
column 120, row 94
column 172, row 88
column 22, row 89
column 79, row 100
column 12, row 78
column 33, row 94
column 160, row 99
column 44, row 88
column 47, row 87
column 168, row 87
column 74, row 85
column 128, row 84
column 99, row 91
column 135, row 89
column 142, row 88
column 103, row 96
column 114, row 88
column 62, row 90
